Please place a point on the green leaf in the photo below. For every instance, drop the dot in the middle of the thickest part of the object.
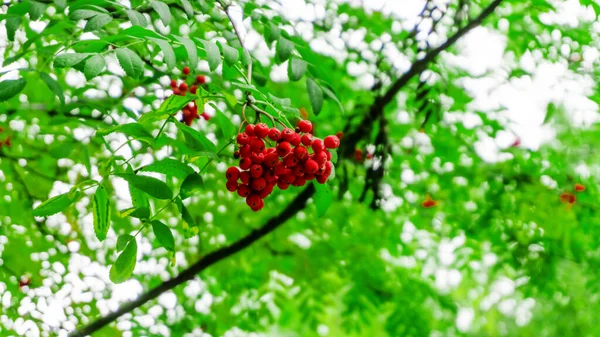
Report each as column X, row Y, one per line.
column 191, row 185
column 123, row 268
column 170, row 167
column 134, row 130
column 227, row 127
column 187, row 7
column 97, row 22
column 196, row 140
column 167, row 51
column 94, row 66
column 10, row 88
column 83, row 14
column 323, row 198
column 123, row 240
column 296, row 69
column 138, row 198
column 135, row 212
column 315, row 94
column 172, row 104
column 136, row 18
column 333, row 97
column 284, row 48
column 230, row 54
column 229, row 98
column 163, row 235
column 101, row 212
column 55, row 204
column 163, row 11
column 212, row 54
column 152, row 186
column 60, row 3
column 12, row 24
column 69, row 59
column 53, row 85
column 191, row 50
column 36, row 10
column 246, row 58
column 190, row 227
column 131, row 63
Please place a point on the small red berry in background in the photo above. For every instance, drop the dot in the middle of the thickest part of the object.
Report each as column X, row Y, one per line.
column 271, row 158
column 24, row 282
column 340, row 134
column 358, row 155
column 579, row 187
column 194, row 89
column 369, row 156
column 568, row 197
column 183, row 87
column 200, row 79
column 189, row 112
column 205, row 116
column 517, row 142
column 186, row 70
column 428, row 202
column 173, row 83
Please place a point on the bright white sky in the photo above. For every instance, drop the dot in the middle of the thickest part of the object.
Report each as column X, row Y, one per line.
column 523, row 102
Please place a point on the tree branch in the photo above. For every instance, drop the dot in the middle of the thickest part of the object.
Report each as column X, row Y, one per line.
column 297, row 204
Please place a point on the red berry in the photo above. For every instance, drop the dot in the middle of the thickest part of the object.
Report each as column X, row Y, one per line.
column 282, row 185
column 332, row 142
column 280, row 169
column 320, row 158
column 253, row 200
column 245, row 177
column 428, row 203
column 245, row 163
column 328, row 168
column 579, row 187
column 322, row 179
column 194, row 89
column 274, row 134
column 257, row 158
column 287, row 134
column 307, row 139
column 301, row 153
column 369, row 156
column 308, row 176
column 266, row 191
column 257, row 145
column 317, row 145
column 232, row 173
column 200, row 79
column 290, row 161
column 250, row 130
column 176, row 91
column 269, row 176
column 340, row 134
column 299, row 182
column 205, row 116
column 258, row 184
column 283, row 149
column 329, row 155
column 173, row 84
column 256, row 171
column 311, row 166
column 298, row 170
column 236, row 154
column 183, row 87
column 243, row 138
column 305, row 126
column 296, row 139
column 271, row 159
column 232, row 185
column 261, row 130
column 358, row 155
column 186, row 70
column 287, row 178
column 245, row 151
column 244, row 190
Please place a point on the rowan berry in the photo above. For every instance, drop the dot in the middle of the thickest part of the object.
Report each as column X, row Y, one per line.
column 288, row 178
column 579, row 187
column 266, row 191
column 231, row 185
column 298, row 170
column 283, row 149
column 428, row 203
column 194, row 89
column 328, row 168
column 200, row 79
column 305, row 126
column 257, row 145
column 245, row 163
column 250, row 130
column 271, row 159
column 287, row 134
column 256, row 171
column 245, row 151
column 282, row 185
column 358, row 155
column 186, row 70
column 183, row 87
column 206, row 116
column 173, row 83
column 332, row 142
column 299, row 182
column 243, row 138
column 311, row 166
column 296, row 139
column 317, row 145
column 322, row 179
column 280, row 169
column 244, row 190
column 320, row 157
column 232, row 173
column 340, row 134
column 236, row 154
column 307, row 139
column 245, row 177
column 290, row 161
column 258, row 184
column 329, row 155
column 269, row 176
column 309, row 176
column 253, row 200
column 274, row 134
column 261, row 130
column 301, row 153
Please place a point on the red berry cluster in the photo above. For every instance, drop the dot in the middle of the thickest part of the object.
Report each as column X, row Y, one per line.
column 271, row 157
column 190, row 111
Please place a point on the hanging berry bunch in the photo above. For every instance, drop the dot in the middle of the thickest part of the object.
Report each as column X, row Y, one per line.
column 190, row 111
column 271, row 157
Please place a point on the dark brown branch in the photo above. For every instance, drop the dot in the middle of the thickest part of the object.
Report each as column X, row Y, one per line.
column 297, row 204
column 205, row 262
